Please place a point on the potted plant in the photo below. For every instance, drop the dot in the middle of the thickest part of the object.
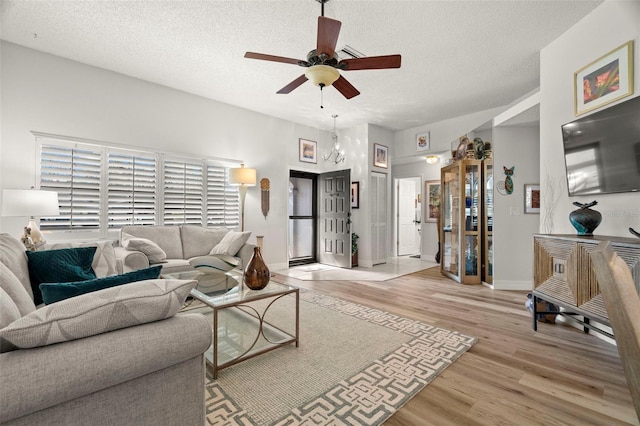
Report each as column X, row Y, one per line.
column 354, row 249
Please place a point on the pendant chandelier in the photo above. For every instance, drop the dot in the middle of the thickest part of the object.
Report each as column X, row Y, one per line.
column 336, row 155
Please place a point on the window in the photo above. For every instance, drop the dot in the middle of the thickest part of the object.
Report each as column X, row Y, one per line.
column 102, row 187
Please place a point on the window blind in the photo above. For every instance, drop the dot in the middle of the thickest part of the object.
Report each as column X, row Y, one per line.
column 131, row 189
column 74, row 173
column 223, row 207
column 183, row 192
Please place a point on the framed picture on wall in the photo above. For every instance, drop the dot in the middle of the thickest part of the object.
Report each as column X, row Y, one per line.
column 432, row 194
column 532, row 198
column 422, row 141
column 380, row 156
column 308, row 151
column 355, row 195
column 605, row 80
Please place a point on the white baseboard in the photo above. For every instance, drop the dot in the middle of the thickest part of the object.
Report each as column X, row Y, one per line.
column 512, row 285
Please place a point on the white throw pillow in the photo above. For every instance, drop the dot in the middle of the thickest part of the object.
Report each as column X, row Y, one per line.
column 146, row 246
column 98, row 312
column 231, row 243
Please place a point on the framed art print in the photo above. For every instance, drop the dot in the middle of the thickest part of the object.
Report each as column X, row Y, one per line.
column 605, row 80
column 422, row 141
column 432, row 192
column 308, row 151
column 355, row 195
column 531, row 198
column 380, row 156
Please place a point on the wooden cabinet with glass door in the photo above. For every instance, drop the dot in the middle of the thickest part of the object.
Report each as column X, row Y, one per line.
column 487, row 251
column 462, row 224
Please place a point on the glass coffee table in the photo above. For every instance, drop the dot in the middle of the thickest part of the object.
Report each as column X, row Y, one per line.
column 240, row 330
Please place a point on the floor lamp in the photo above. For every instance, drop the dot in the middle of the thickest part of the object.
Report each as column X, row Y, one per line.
column 244, row 178
column 32, row 203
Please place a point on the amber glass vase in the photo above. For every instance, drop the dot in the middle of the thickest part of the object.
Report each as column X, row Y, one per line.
column 256, row 274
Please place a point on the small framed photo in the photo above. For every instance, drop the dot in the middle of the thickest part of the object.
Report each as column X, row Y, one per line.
column 532, row 198
column 605, row 80
column 422, row 141
column 308, row 151
column 355, row 195
column 380, row 156
column 432, row 194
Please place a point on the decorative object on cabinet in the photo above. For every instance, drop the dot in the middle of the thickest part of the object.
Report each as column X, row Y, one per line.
column 308, row 151
column 265, row 186
column 461, row 150
column 488, row 150
column 532, row 198
column 355, row 195
column 432, row 210
column 634, row 232
column 563, row 275
column 605, row 80
column 478, row 148
column 584, row 219
column 422, row 142
column 380, row 156
column 462, row 231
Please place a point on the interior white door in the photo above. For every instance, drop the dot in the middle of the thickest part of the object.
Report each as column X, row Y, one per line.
column 408, row 236
column 334, row 201
column 379, row 208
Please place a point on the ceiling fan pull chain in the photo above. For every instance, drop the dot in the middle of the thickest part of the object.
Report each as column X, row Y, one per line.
column 321, row 97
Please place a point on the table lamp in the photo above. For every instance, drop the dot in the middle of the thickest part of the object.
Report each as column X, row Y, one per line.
column 32, row 203
column 243, row 178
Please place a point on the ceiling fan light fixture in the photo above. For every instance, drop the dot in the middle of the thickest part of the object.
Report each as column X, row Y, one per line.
column 322, row 75
column 432, row 159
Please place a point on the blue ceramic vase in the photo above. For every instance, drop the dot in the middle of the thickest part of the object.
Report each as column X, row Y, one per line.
column 584, row 219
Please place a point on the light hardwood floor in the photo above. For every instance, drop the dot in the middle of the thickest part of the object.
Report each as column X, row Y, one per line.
column 513, row 375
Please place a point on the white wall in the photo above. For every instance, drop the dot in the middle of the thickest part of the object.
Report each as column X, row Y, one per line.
column 45, row 93
column 607, row 27
column 513, row 230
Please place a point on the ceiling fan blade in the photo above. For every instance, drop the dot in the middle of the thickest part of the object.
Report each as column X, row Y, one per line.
column 344, row 87
column 264, row 57
column 294, row 84
column 372, row 63
column 328, row 31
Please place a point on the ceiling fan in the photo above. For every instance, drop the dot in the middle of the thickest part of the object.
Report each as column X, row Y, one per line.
column 322, row 63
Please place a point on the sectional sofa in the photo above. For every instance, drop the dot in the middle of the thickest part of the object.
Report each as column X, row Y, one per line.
column 122, row 355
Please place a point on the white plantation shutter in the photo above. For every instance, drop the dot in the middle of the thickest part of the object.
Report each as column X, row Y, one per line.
column 223, row 207
column 184, row 192
column 131, row 189
column 103, row 187
column 73, row 172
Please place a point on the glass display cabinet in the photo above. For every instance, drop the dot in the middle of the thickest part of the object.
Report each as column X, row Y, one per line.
column 462, row 224
column 487, row 252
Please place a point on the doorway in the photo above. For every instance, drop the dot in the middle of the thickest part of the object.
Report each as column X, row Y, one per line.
column 319, row 210
column 408, row 216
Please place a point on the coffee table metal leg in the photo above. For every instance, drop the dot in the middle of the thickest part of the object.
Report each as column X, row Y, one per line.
column 215, row 344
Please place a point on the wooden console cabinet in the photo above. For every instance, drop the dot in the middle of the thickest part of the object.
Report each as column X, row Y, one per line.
column 563, row 275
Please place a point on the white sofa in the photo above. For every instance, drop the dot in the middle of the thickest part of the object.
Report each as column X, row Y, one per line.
column 184, row 246
column 143, row 373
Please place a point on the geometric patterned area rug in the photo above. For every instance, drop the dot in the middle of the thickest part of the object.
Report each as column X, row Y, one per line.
column 355, row 365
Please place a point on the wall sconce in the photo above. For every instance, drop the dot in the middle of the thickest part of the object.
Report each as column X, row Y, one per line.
column 336, row 154
column 243, row 178
column 432, row 159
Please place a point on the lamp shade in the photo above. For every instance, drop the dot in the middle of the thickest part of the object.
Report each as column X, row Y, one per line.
column 242, row 176
column 29, row 202
column 322, row 75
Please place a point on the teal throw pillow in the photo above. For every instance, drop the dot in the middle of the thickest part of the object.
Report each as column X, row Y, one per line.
column 55, row 266
column 55, row 292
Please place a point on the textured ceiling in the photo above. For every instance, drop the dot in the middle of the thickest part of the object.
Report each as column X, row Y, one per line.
column 457, row 56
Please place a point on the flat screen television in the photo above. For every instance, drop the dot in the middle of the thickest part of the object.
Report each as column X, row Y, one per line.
column 602, row 150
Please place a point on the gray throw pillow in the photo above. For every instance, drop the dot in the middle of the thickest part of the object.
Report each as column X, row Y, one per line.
column 98, row 312
column 16, row 291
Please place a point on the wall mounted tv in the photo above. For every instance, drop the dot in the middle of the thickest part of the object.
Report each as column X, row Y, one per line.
column 602, row 150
